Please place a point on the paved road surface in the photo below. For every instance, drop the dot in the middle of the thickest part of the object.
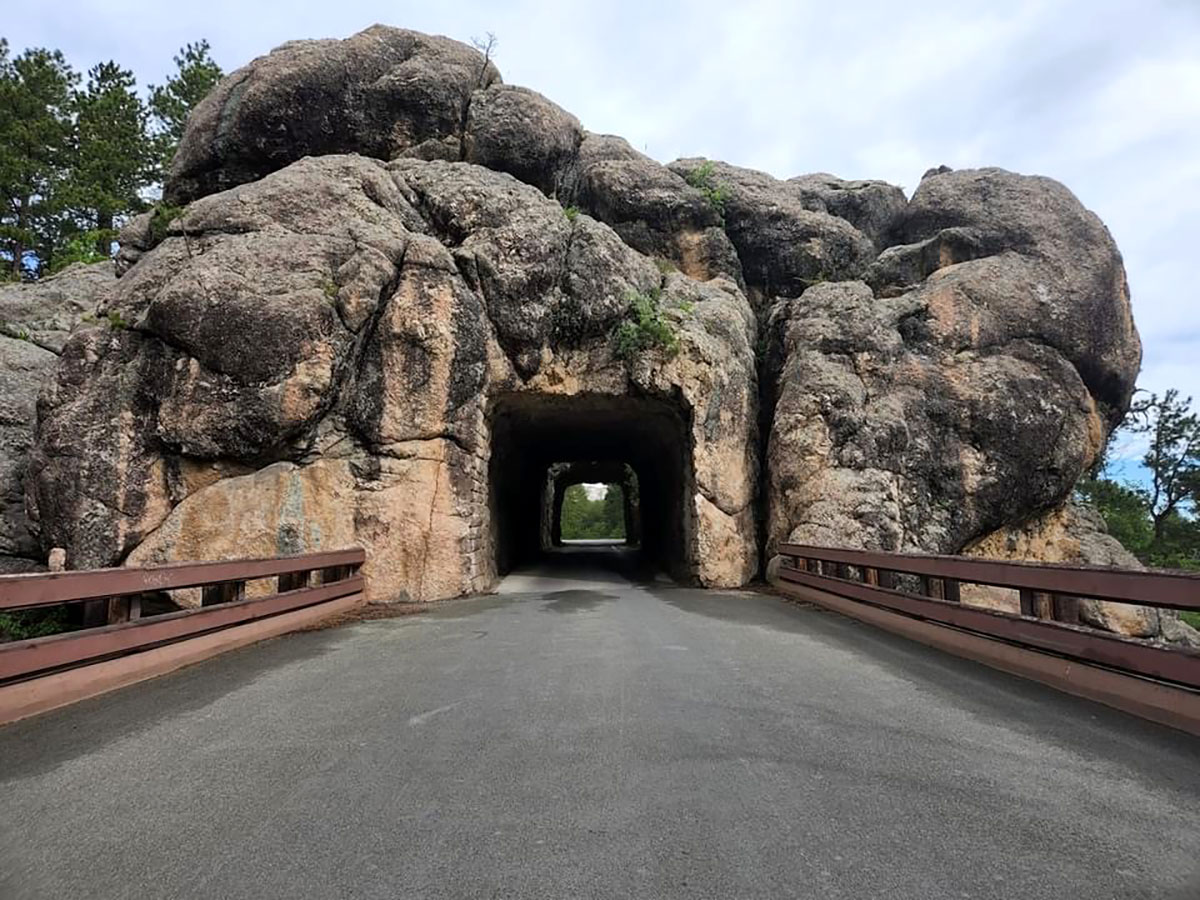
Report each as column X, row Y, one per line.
column 596, row 740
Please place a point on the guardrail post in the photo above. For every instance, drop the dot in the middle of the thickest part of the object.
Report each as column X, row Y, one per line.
column 293, row 581
column 95, row 613
column 887, row 579
column 951, row 590
column 1027, row 603
column 225, row 592
column 1066, row 608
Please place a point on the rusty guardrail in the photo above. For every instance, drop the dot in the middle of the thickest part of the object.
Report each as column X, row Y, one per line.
column 1159, row 682
column 302, row 582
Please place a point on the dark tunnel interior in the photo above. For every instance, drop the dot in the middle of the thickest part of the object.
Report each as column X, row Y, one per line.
column 601, row 434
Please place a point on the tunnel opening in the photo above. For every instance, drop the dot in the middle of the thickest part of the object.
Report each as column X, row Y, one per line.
column 593, row 500
column 592, row 512
column 543, row 445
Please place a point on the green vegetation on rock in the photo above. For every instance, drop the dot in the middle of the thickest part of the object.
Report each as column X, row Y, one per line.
column 704, row 179
column 648, row 326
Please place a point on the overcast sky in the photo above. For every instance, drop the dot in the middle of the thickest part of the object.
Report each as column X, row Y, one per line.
column 1103, row 95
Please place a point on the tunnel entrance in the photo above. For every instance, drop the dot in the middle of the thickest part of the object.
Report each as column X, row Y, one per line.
column 542, row 445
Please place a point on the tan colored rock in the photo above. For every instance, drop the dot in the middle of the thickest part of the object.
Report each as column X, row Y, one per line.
column 280, row 510
column 1073, row 535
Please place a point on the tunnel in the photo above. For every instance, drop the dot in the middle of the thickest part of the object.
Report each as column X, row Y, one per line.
column 540, row 444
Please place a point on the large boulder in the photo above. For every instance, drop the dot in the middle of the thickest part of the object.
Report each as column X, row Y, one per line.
column 35, row 321
column 380, row 93
column 785, row 238
column 44, row 312
column 924, row 414
column 652, row 208
column 346, row 321
column 1074, row 534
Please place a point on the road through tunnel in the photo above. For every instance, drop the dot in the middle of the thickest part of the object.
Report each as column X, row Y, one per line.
column 543, row 444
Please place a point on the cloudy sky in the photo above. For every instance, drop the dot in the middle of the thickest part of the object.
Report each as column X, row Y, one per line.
column 1103, row 95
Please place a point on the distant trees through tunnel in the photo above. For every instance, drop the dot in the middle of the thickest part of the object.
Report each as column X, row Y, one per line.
column 592, row 512
column 634, row 456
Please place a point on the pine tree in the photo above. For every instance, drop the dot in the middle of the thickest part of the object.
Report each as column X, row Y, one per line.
column 172, row 102
column 614, row 512
column 35, row 138
column 114, row 158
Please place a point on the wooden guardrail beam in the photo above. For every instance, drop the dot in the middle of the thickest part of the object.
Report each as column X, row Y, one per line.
column 56, row 588
column 1173, row 590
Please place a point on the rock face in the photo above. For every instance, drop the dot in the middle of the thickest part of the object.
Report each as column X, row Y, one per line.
column 390, row 263
column 1075, row 534
column 353, row 322
column 35, row 321
column 964, row 384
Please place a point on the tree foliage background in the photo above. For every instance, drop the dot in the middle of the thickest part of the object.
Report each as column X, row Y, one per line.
column 586, row 519
column 79, row 158
column 1155, row 520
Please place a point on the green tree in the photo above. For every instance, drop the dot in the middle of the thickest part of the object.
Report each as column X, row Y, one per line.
column 583, row 518
column 35, row 140
column 1173, row 457
column 1126, row 512
column 1157, row 523
column 114, row 159
column 172, row 102
column 613, row 517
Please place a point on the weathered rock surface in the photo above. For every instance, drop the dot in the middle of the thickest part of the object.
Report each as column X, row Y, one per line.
column 1076, row 535
column 785, row 239
column 384, row 244
column 44, row 312
column 35, row 320
column 382, row 92
column 652, row 208
column 922, row 416
column 346, row 309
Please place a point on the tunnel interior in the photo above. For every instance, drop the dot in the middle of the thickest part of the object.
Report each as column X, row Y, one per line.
column 540, row 444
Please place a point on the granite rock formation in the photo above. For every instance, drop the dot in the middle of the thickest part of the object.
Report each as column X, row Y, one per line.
column 391, row 267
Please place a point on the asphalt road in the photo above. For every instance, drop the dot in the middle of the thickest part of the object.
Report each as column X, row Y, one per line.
column 583, row 738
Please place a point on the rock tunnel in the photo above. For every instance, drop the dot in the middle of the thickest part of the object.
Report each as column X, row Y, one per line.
column 542, row 444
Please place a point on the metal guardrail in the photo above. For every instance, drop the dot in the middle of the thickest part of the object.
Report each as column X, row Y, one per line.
column 892, row 589
column 302, row 581
column 1049, row 601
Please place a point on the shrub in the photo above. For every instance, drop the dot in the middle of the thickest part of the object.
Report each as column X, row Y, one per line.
column 116, row 321
column 82, row 248
column 571, row 212
column 704, row 179
column 21, row 625
column 160, row 220
column 647, row 326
